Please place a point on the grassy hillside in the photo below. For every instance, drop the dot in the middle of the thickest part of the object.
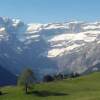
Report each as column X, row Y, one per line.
column 81, row 88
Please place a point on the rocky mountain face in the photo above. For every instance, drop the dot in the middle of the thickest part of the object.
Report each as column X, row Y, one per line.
column 49, row 48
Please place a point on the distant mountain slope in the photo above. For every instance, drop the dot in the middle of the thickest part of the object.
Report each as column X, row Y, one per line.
column 6, row 77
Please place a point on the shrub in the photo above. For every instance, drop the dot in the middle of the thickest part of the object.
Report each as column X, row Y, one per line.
column 74, row 74
column 59, row 77
column 48, row 78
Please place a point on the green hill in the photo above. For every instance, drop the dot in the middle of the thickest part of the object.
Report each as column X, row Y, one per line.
column 81, row 88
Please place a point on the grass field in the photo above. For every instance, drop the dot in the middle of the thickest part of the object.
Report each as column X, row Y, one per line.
column 81, row 88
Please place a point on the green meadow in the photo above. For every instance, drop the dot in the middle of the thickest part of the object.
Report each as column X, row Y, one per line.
column 80, row 88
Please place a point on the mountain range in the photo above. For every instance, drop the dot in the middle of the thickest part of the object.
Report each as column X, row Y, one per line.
column 51, row 48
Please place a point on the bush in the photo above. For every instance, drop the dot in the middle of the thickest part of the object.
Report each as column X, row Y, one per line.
column 73, row 75
column 59, row 76
column 48, row 78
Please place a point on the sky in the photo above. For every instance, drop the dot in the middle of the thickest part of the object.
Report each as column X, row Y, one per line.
column 46, row 11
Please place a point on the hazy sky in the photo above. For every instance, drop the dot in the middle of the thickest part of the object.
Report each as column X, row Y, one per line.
column 44, row 11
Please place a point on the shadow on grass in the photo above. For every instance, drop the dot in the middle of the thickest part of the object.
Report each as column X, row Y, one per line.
column 47, row 93
column 1, row 94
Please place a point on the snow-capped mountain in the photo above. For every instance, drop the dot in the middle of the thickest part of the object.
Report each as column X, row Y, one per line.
column 49, row 48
